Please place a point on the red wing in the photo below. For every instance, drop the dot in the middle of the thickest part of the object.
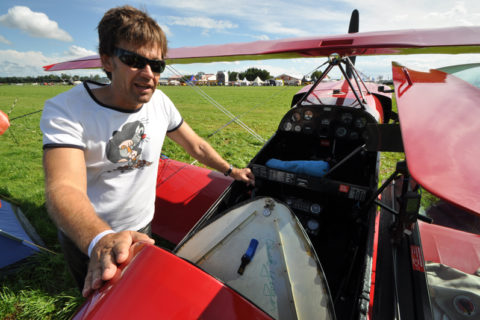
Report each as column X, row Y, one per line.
column 446, row 40
column 439, row 119
column 83, row 63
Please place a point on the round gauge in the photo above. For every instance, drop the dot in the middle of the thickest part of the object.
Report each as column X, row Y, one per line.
column 287, row 126
column 313, row 225
column 354, row 135
column 296, row 116
column 298, row 128
column 308, row 115
column 341, row 132
column 315, row 208
column 360, row 122
column 346, row 118
column 325, row 122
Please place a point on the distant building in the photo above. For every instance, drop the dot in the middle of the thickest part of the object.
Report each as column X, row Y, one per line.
column 207, row 79
column 289, row 80
column 175, row 78
column 273, row 82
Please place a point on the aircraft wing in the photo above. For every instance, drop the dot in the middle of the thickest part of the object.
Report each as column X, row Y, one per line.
column 89, row 62
column 439, row 120
column 442, row 40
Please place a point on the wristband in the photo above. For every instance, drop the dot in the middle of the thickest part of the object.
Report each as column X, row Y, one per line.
column 229, row 171
column 96, row 239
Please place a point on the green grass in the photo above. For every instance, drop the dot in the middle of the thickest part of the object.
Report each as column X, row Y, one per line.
column 261, row 107
column 41, row 287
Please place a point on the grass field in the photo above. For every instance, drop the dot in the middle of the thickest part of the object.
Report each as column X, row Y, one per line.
column 41, row 287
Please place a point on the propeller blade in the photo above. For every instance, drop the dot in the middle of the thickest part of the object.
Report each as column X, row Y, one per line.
column 354, row 22
column 353, row 28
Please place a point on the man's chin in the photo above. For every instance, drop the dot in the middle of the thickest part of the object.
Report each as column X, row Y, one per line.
column 145, row 97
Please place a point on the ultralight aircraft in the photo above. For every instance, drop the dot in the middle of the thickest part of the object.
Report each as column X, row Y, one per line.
column 317, row 237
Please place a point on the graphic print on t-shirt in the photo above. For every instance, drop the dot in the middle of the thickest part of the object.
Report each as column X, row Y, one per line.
column 125, row 146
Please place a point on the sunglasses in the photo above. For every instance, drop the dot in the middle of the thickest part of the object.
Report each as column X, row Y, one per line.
column 134, row 60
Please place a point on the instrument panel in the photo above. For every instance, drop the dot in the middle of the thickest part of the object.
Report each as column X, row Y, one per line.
column 326, row 121
column 327, row 186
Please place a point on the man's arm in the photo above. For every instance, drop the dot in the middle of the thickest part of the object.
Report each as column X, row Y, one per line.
column 203, row 152
column 72, row 212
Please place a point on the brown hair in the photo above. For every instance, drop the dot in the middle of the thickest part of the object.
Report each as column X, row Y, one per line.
column 131, row 25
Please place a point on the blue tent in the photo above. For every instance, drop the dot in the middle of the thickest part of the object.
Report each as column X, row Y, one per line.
column 16, row 235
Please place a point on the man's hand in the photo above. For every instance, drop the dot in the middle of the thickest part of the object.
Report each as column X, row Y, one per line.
column 110, row 251
column 244, row 175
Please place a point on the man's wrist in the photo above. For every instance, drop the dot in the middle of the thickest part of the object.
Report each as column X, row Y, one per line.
column 96, row 239
column 229, row 171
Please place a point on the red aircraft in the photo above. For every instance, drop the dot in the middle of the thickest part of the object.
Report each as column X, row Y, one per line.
column 317, row 238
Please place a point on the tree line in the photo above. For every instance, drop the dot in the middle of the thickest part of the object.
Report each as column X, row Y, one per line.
column 250, row 74
column 50, row 78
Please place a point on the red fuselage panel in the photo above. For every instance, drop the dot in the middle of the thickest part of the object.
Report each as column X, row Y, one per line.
column 184, row 194
column 156, row 284
column 454, row 248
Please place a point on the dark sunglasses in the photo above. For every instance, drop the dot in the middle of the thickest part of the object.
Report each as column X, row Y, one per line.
column 135, row 60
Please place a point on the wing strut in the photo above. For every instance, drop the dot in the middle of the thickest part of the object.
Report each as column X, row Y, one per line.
column 336, row 60
column 221, row 108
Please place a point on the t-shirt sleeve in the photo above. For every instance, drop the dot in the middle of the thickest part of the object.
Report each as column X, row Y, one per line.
column 59, row 127
column 175, row 119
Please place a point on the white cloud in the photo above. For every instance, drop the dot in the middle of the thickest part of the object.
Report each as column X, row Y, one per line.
column 202, row 22
column 15, row 63
column 166, row 30
column 4, row 40
column 77, row 52
column 35, row 24
column 409, row 14
column 274, row 27
column 284, row 17
column 308, row 17
column 30, row 63
column 262, row 37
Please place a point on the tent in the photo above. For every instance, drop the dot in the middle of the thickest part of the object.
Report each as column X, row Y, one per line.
column 244, row 82
column 257, row 81
column 18, row 239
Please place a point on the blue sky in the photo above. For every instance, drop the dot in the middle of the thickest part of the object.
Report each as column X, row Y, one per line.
column 36, row 33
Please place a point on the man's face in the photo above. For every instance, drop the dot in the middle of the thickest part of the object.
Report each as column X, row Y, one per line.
column 132, row 87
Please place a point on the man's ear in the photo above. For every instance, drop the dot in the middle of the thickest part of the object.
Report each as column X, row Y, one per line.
column 107, row 62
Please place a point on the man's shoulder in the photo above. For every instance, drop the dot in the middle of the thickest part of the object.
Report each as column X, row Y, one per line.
column 76, row 91
column 159, row 94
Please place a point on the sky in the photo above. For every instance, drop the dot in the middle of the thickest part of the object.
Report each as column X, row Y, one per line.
column 37, row 33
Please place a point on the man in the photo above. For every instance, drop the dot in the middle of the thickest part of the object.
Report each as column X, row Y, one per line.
column 102, row 145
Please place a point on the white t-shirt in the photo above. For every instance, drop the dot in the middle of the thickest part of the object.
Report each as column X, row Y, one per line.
column 121, row 149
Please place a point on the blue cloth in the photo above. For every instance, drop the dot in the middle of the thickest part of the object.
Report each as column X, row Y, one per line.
column 316, row 168
column 13, row 246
